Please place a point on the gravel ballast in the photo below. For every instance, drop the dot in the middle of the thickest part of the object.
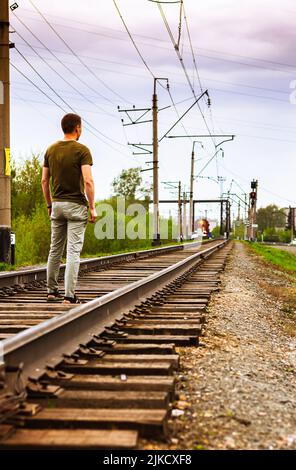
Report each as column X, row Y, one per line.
column 237, row 390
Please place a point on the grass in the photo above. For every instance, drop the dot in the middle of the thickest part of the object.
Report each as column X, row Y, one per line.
column 281, row 259
column 281, row 288
column 6, row 267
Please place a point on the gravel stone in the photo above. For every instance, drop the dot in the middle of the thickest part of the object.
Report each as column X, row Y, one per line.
column 240, row 386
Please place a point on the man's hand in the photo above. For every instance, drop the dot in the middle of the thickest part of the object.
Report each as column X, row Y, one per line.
column 49, row 211
column 93, row 215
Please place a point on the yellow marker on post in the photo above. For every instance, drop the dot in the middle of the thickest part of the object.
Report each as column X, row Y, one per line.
column 7, row 162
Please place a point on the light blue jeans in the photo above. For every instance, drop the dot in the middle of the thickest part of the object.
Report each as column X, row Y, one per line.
column 68, row 223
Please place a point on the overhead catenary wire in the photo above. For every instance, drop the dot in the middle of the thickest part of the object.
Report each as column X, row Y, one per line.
column 184, row 68
column 159, row 40
column 132, row 39
column 65, row 102
column 240, row 178
column 54, row 69
column 145, row 62
column 43, row 79
column 64, row 110
column 62, row 62
column 76, row 55
column 36, row 86
column 195, row 61
column 238, row 84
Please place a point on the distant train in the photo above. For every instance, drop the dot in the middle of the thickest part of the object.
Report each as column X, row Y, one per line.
column 202, row 229
column 205, row 227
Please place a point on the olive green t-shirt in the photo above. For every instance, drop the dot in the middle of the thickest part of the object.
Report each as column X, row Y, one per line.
column 64, row 160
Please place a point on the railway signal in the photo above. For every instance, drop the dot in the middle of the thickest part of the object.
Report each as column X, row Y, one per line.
column 252, row 229
column 290, row 225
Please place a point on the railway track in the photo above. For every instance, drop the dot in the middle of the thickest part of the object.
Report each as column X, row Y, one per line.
column 102, row 374
column 23, row 293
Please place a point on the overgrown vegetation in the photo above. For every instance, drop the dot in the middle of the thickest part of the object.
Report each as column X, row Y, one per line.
column 271, row 217
column 280, row 282
column 31, row 223
column 279, row 258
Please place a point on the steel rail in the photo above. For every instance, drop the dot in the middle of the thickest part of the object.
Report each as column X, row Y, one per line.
column 47, row 343
column 24, row 276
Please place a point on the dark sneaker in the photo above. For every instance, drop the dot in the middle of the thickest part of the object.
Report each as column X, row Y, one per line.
column 71, row 300
column 54, row 296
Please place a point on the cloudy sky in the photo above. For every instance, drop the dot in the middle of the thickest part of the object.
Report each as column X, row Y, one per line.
column 245, row 56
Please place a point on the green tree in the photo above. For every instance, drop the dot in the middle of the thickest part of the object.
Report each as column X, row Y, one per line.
column 238, row 230
column 216, row 232
column 129, row 185
column 26, row 191
column 270, row 217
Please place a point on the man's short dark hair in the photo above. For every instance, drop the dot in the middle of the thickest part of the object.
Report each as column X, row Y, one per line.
column 69, row 122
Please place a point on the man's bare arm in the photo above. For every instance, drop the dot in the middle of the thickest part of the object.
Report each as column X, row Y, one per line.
column 90, row 190
column 45, row 186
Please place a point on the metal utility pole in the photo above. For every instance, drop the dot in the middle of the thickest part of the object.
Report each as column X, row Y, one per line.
column 184, row 216
column 291, row 221
column 5, row 184
column 221, row 219
column 191, row 221
column 292, row 212
column 221, row 180
column 156, row 234
column 180, row 212
column 177, row 185
column 191, row 218
column 228, row 218
column 253, row 211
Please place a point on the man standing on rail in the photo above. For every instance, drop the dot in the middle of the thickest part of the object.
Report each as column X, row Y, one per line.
column 68, row 164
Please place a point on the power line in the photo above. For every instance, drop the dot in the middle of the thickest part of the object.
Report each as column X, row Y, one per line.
column 192, row 50
column 45, row 61
column 140, row 76
column 60, row 107
column 262, row 187
column 61, row 62
column 183, row 66
column 43, row 79
column 145, row 63
column 65, row 102
column 160, row 40
column 213, row 89
column 76, row 55
column 36, row 86
column 195, row 66
column 132, row 39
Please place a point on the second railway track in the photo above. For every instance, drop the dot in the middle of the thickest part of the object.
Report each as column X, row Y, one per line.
column 102, row 374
